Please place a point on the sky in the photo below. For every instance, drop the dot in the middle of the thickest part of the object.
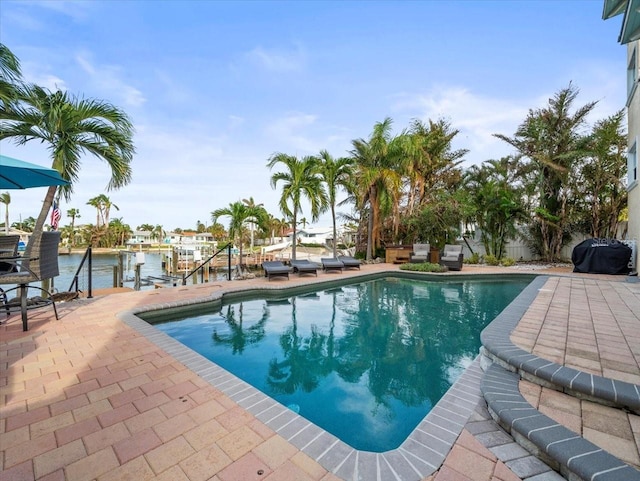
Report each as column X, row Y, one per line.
column 215, row 88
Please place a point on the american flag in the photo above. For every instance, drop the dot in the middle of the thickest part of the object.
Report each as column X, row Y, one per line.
column 55, row 216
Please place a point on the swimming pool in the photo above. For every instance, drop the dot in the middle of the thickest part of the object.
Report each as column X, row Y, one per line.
column 366, row 362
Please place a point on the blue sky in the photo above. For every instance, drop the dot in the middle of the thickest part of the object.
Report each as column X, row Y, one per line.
column 214, row 88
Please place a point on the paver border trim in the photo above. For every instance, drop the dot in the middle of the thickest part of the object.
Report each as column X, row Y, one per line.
column 556, row 445
column 498, row 347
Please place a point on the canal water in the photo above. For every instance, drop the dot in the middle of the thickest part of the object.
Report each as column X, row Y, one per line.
column 103, row 268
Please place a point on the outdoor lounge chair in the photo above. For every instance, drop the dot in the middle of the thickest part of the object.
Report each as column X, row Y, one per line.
column 275, row 269
column 44, row 265
column 452, row 257
column 331, row 264
column 349, row 262
column 8, row 248
column 305, row 266
column 420, row 253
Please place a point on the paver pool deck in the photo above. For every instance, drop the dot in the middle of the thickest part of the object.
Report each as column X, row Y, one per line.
column 89, row 397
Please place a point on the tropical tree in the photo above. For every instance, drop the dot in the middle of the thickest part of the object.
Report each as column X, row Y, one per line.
column 239, row 214
column 145, row 227
column 377, row 182
column 103, row 205
column 551, row 144
column 157, row 233
column 300, row 179
column 496, row 197
column 119, row 232
column 5, row 198
column 335, row 173
column 70, row 126
column 252, row 221
column 430, row 163
column 10, row 79
column 73, row 214
column 600, row 183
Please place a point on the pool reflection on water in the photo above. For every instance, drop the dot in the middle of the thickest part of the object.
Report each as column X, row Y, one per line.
column 366, row 361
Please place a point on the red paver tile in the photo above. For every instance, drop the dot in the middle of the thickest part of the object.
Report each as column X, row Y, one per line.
column 145, row 420
column 76, row 431
column 136, row 445
column 469, row 463
column 19, row 472
column 114, row 416
column 275, row 451
column 126, row 397
column 92, row 466
column 174, row 427
column 49, row 425
column 205, row 463
column 69, row 404
column 105, row 437
column 135, row 470
column 151, row 401
column 58, row 458
column 81, row 388
column 169, row 454
column 248, row 468
column 181, row 389
column 447, row 474
column 239, row 442
column 26, row 418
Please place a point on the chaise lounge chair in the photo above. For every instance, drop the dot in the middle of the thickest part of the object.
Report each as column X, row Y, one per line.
column 305, row 267
column 275, row 269
column 332, row 264
column 452, row 257
column 420, row 253
column 349, row 262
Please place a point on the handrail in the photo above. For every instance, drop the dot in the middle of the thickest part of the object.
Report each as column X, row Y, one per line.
column 87, row 257
column 200, row 267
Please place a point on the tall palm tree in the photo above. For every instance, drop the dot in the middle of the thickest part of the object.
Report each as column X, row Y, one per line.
column 378, row 178
column 5, row 198
column 252, row 221
column 239, row 214
column 335, row 173
column 550, row 139
column 69, row 127
column 302, row 178
column 74, row 214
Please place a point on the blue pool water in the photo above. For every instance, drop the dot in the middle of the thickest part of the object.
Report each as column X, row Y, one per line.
column 365, row 362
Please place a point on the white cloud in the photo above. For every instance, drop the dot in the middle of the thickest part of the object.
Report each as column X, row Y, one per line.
column 107, row 78
column 291, row 132
column 276, row 60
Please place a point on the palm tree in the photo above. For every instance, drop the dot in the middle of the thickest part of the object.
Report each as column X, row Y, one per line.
column 335, row 173
column 157, row 232
column 378, row 178
column 74, row 214
column 551, row 141
column 239, row 214
column 252, row 221
column 302, row 178
column 5, row 199
column 70, row 126
column 145, row 227
column 10, row 78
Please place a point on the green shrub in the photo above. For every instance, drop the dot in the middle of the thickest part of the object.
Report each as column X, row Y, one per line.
column 491, row 260
column 507, row 261
column 473, row 259
column 423, row 267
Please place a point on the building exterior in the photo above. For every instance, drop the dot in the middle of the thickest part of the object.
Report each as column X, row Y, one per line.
column 630, row 36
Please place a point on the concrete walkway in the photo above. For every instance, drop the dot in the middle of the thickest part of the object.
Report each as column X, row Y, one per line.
column 88, row 397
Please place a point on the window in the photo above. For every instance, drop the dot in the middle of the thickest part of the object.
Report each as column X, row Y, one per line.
column 632, row 74
column 632, row 164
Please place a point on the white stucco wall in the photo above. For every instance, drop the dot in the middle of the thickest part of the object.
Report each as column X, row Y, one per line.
column 633, row 117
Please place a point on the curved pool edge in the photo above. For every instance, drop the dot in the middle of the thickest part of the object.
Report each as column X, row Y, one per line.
column 421, row 454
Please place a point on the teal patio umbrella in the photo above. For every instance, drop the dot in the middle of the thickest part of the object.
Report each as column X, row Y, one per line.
column 18, row 174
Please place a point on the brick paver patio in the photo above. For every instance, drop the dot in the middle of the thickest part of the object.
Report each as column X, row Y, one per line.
column 87, row 397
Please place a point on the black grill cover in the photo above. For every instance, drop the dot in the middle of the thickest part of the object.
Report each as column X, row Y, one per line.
column 601, row 256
